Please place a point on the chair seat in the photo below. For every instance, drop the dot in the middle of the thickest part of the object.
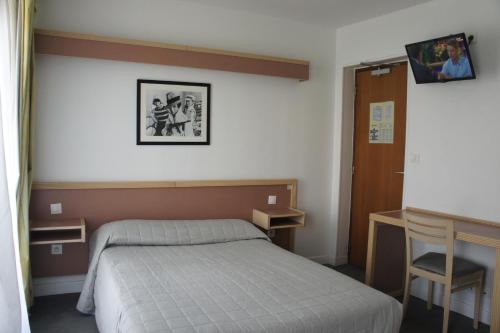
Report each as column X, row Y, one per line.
column 436, row 263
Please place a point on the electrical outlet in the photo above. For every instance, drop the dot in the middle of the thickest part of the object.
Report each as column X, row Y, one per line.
column 271, row 200
column 56, row 208
column 56, row 249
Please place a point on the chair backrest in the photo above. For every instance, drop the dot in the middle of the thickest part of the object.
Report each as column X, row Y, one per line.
column 430, row 231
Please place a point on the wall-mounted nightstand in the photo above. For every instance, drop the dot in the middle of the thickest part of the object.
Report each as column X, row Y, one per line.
column 57, row 231
column 280, row 224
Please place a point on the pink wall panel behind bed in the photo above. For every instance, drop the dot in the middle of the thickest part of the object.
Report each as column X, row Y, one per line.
column 99, row 206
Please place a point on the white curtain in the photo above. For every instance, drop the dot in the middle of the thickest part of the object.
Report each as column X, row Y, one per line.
column 13, row 312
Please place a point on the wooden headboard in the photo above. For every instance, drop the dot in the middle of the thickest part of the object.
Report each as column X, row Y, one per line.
column 102, row 202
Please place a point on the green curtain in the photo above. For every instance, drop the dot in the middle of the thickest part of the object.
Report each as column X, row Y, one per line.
column 26, row 124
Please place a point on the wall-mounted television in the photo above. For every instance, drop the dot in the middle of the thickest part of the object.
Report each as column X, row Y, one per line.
column 441, row 59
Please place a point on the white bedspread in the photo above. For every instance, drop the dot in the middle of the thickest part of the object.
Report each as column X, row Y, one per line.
column 223, row 281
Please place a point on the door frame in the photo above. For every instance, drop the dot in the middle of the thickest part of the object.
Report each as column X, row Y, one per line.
column 348, row 95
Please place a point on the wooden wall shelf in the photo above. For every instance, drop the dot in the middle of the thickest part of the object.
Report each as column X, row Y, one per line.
column 100, row 47
column 57, row 232
column 278, row 219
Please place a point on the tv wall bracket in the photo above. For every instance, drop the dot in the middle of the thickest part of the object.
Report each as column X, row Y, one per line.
column 470, row 39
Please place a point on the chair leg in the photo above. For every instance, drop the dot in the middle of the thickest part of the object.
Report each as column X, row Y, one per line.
column 406, row 296
column 430, row 293
column 446, row 307
column 477, row 304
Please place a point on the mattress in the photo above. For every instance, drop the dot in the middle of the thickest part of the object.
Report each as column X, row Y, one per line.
column 230, row 283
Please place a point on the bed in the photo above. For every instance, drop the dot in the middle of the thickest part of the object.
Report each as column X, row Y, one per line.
column 220, row 276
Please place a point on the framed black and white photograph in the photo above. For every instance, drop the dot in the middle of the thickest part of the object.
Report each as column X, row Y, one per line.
column 173, row 113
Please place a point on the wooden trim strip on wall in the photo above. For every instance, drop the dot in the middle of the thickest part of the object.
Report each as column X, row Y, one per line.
column 161, row 184
column 100, row 185
column 110, row 48
column 245, row 182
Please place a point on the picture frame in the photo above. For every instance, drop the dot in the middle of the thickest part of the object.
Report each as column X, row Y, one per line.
column 173, row 113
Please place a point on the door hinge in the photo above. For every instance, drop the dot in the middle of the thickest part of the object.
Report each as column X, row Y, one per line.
column 353, row 170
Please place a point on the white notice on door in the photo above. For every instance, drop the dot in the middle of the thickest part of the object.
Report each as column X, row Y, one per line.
column 381, row 122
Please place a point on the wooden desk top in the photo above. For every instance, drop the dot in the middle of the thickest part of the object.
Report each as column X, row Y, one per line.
column 470, row 230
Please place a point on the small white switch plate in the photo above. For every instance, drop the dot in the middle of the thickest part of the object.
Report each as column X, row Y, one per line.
column 56, row 208
column 56, row 249
column 271, row 233
column 271, row 200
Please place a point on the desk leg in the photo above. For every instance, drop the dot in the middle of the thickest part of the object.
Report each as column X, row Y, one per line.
column 371, row 252
column 495, row 298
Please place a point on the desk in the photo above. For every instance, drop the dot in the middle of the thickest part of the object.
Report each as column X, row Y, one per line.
column 469, row 230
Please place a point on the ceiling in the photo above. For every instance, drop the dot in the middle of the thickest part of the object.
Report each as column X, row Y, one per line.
column 331, row 13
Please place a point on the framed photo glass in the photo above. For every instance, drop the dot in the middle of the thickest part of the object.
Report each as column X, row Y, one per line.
column 173, row 113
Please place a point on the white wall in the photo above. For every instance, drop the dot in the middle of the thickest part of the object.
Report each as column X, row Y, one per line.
column 455, row 127
column 262, row 127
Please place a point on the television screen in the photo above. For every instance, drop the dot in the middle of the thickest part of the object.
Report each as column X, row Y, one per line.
column 441, row 59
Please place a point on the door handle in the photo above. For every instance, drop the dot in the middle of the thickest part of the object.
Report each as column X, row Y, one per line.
column 399, row 172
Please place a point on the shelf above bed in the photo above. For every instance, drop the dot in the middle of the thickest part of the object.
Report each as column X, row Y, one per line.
column 110, row 48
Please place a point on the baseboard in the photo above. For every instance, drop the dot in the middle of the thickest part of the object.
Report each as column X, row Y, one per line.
column 56, row 285
column 322, row 259
column 340, row 261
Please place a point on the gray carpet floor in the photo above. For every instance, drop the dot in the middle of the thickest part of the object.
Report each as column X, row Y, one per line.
column 418, row 319
column 57, row 314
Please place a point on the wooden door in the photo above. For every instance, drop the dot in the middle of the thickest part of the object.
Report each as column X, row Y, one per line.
column 378, row 167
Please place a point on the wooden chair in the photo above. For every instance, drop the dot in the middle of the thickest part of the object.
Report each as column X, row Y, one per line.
column 454, row 273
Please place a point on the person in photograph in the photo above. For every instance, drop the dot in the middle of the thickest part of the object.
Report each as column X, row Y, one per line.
column 457, row 66
column 160, row 115
column 174, row 105
column 150, row 118
column 422, row 72
column 167, row 130
column 190, row 113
